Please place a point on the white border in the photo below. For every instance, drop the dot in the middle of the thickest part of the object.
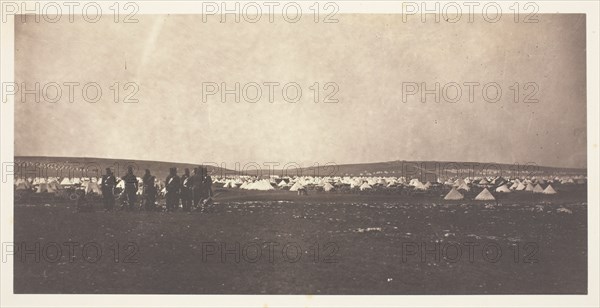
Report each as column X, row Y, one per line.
column 591, row 8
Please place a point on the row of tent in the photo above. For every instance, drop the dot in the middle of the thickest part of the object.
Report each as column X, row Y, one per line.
column 486, row 195
column 89, row 185
column 326, row 183
column 330, row 184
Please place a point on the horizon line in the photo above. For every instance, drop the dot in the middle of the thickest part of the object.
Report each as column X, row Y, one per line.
column 343, row 164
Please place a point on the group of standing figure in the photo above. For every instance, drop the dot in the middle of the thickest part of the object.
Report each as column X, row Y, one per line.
column 194, row 190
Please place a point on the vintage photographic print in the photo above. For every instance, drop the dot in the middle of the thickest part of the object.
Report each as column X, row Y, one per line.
column 300, row 148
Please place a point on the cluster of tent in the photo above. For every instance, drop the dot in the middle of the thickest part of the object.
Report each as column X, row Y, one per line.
column 500, row 185
column 55, row 184
column 496, row 184
column 485, row 194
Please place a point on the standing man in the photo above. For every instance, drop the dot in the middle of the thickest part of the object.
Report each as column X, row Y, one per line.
column 173, row 185
column 131, row 187
column 149, row 194
column 186, row 190
column 206, row 189
column 108, row 187
column 196, row 187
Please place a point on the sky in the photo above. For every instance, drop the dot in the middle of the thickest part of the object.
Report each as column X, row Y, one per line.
column 373, row 59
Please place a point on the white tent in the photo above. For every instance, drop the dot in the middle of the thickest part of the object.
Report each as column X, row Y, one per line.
column 529, row 187
column 230, row 184
column 92, row 187
column 454, row 195
column 521, row 186
column 327, row 187
column 503, row 189
column 464, row 186
column 66, row 182
column 459, row 182
column 296, row 186
column 549, row 190
column 45, row 187
column 282, row 184
column 53, row 186
column 416, row 183
column 538, row 189
column 260, row 185
column 485, row 195
column 366, row 186
column 21, row 184
column 139, row 192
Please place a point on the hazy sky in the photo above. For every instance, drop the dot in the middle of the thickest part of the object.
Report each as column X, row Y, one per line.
column 368, row 56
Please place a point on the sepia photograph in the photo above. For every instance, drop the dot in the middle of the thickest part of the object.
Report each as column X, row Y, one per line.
column 300, row 148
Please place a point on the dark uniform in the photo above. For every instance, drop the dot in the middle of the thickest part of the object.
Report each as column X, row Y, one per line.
column 149, row 192
column 173, row 185
column 108, row 187
column 206, row 188
column 186, row 190
column 131, row 188
column 196, row 180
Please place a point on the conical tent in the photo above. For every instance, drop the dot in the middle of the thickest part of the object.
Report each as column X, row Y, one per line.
column 121, row 184
column 503, row 189
column 53, row 186
column 415, row 183
column 66, row 182
column 459, row 182
column 296, row 186
column 549, row 190
column 92, row 187
column 465, row 187
column 327, row 187
column 230, row 184
column 538, row 189
column 139, row 192
column 529, row 187
column 260, row 185
column 282, row 184
column 454, row 195
column 365, row 186
column 485, row 195
column 21, row 186
column 521, row 186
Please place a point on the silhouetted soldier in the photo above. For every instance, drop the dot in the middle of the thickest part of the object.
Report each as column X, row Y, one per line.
column 206, row 188
column 149, row 194
column 108, row 187
column 186, row 190
column 173, row 185
column 196, row 180
column 131, row 187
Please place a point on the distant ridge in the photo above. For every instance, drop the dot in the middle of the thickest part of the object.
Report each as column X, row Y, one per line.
column 429, row 170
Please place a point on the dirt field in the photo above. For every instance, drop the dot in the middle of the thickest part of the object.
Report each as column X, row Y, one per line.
column 317, row 244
